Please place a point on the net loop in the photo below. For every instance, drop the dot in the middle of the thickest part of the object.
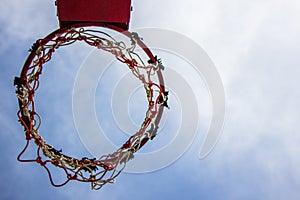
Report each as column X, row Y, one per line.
column 102, row 170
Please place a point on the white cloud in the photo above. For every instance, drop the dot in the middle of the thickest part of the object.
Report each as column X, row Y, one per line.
column 27, row 19
column 256, row 47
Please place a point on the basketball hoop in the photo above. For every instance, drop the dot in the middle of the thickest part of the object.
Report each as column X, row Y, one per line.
column 102, row 170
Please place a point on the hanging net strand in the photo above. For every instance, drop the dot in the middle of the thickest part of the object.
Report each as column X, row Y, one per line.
column 107, row 167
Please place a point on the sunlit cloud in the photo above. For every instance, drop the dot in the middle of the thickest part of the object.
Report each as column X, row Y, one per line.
column 255, row 46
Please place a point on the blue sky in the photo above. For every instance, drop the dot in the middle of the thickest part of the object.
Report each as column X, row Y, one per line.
column 255, row 45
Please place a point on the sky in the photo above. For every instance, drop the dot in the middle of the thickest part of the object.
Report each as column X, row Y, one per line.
column 255, row 47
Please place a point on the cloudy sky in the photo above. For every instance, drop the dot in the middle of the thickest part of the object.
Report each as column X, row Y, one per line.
column 255, row 46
